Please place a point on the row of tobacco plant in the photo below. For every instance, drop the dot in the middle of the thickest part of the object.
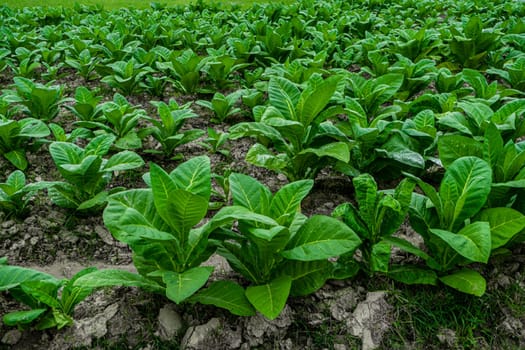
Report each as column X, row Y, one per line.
column 373, row 90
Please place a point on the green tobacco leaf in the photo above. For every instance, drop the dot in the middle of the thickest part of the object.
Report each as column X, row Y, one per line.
column 466, row 281
column 99, row 199
column 321, row 237
column 13, row 276
column 492, row 145
column 100, row 145
column 504, row 223
column 63, row 194
column 307, row 276
column 464, row 189
column 472, row 242
column 124, row 160
column 413, row 275
column 22, row 317
column 270, row 299
column 112, row 277
column 380, row 257
column 336, row 150
column 180, row 286
column 366, row 196
column 249, row 193
column 194, row 176
column 227, row 295
column 65, row 153
column 311, row 103
column 452, row 147
column 287, row 200
column 17, row 158
column 284, row 95
column 179, row 208
column 16, row 180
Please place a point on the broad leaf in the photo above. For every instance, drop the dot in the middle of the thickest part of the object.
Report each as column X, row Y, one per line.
column 113, row 277
column 321, row 237
column 472, row 242
column 504, row 223
column 270, row 299
column 227, row 295
column 180, row 286
column 466, row 281
column 464, row 189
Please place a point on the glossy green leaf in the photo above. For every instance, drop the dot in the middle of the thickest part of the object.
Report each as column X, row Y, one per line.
column 113, row 277
column 466, row 281
column 180, row 286
column 504, row 223
column 321, row 237
column 472, row 242
column 269, row 299
column 464, row 189
column 227, row 295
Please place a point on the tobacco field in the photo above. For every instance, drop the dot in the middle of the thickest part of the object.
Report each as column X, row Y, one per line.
column 314, row 175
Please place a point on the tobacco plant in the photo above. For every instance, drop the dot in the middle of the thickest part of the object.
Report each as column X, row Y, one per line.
column 87, row 173
column 86, row 107
column 121, row 119
column 222, row 106
column 18, row 136
column 377, row 217
column 507, row 162
column 15, row 194
column 470, row 45
column 160, row 225
column 84, row 63
column 167, row 130
column 444, row 219
column 295, row 125
column 276, row 248
column 51, row 301
column 127, row 77
column 37, row 100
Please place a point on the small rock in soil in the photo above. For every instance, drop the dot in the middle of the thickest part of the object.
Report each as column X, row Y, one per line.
column 84, row 330
column 12, row 337
column 447, row 337
column 257, row 327
column 198, row 337
column 344, row 301
column 170, row 323
column 104, row 235
column 371, row 319
column 8, row 223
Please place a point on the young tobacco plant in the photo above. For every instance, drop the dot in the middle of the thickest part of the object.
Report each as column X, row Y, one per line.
column 167, row 130
column 444, row 219
column 17, row 136
column 216, row 142
column 379, row 214
column 15, row 194
column 276, row 248
column 120, row 118
column 52, row 301
column 84, row 63
column 513, row 73
column 127, row 77
column 86, row 107
column 38, row 101
column 186, row 69
column 222, row 106
column 507, row 161
column 160, row 225
column 472, row 44
column 87, row 173
column 295, row 125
